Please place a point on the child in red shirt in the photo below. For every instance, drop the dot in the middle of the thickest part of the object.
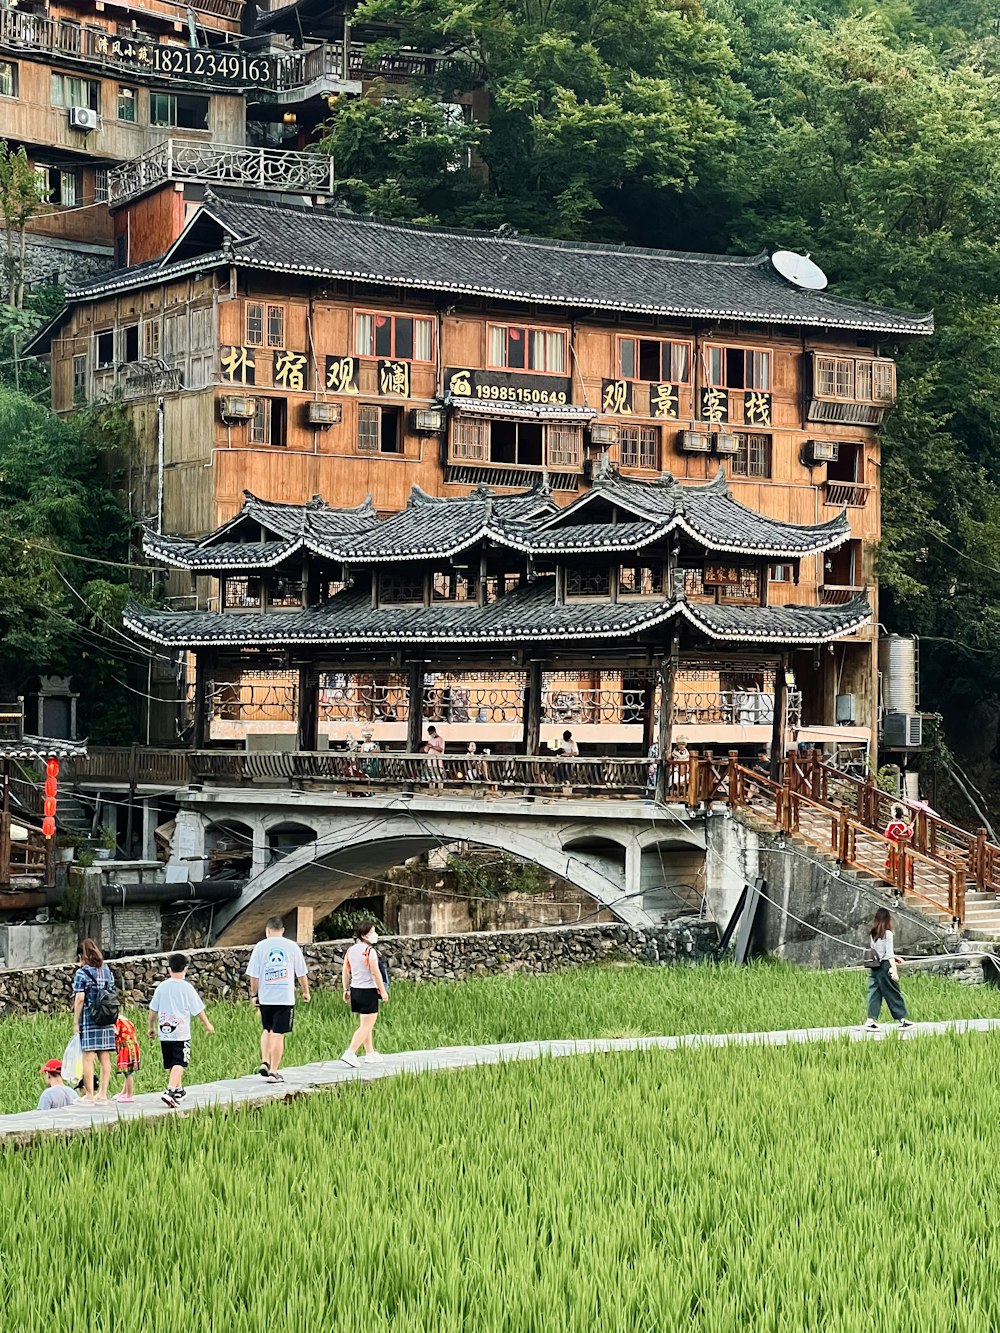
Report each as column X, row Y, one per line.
column 127, row 1052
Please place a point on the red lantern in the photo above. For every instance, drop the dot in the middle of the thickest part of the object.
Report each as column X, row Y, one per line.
column 48, row 826
column 52, row 768
column 51, row 787
column 49, row 807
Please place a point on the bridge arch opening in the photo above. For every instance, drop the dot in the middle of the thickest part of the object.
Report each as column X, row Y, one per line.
column 288, row 837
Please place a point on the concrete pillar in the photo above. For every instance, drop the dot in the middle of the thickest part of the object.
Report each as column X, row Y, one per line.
column 633, row 867
column 304, row 923
column 188, row 848
column 260, row 856
column 149, row 820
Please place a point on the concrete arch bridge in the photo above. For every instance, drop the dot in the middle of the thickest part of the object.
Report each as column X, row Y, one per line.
column 638, row 859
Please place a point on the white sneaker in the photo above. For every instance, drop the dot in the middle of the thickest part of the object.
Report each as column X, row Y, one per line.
column 905, row 1023
column 349, row 1058
column 374, row 1058
column 871, row 1025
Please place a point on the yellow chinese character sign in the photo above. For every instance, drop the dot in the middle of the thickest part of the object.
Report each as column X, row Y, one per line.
column 291, row 370
column 664, row 401
column 238, row 365
column 756, row 408
column 616, row 398
column 394, row 378
column 342, row 374
column 714, row 406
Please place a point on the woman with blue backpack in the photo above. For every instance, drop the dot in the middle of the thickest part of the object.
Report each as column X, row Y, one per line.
column 95, row 1012
column 366, row 982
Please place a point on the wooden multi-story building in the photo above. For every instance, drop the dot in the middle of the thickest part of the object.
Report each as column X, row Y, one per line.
column 293, row 352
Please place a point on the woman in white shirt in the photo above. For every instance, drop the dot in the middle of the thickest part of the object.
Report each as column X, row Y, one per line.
column 364, row 986
column 883, row 980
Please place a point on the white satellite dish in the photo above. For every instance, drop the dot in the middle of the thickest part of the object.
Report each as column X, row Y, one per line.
column 799, row 269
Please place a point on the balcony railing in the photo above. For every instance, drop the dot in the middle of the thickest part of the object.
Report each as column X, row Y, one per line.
column 836, row 594
column 222, row 164
column 298, row 69
column 853, row 494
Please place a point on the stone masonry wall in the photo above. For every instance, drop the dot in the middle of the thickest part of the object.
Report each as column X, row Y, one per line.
column 218, row 973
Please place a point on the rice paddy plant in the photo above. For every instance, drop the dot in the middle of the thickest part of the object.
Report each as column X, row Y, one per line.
column 843, row 1187
column 586, row 1002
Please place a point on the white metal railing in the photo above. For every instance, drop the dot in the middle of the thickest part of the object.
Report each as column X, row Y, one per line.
column 222, row 164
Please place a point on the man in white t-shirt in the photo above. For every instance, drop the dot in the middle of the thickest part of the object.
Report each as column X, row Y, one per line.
column 275, row 965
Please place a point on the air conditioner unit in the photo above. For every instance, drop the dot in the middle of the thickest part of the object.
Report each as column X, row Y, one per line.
column 321, row 412
column 822, row 451
column 235, row 407
column 600, row 434
column 904, row 731
column 82, row 118
column 846, row 710
column 430, row 420
column 696, row 442
column 726, row 444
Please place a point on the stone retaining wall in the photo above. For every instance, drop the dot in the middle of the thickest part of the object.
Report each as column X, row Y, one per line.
column 218, row 973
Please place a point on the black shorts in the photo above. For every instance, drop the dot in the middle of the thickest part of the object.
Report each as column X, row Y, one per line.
column 277, row 1017
column 175, row 1053
column 364, row 1000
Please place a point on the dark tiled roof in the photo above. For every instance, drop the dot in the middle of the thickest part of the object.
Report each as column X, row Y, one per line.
column 527, row 615
column 578, row 538
column 326, row 244
column 709, row 515
column 779, row 624
column 220, row 555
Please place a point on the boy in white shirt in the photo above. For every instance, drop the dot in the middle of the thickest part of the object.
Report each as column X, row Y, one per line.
column 175, row 1002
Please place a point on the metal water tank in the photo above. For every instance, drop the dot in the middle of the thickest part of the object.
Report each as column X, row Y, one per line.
column 897, row 663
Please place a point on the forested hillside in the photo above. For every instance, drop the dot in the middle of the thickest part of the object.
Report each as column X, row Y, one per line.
column 870, row 139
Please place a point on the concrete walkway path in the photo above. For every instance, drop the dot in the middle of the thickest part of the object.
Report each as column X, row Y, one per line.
column 255, row 1091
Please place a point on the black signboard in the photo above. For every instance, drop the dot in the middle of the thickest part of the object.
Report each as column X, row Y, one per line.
column 506, row 386
column 713, row 406
column 616, row 398
column 191, row 64
column 239, row 365
column 756, row 408
column 290, row 370
column 342, row 374
column 394, row 378
column 664, row 401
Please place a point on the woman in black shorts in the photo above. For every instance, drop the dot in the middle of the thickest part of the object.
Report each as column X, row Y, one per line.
column 363, row 989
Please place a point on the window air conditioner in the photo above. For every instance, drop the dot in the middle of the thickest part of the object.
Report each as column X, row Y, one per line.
column 82, row 118
column 696, row 442
column 235, row 407
column 903, row 731
column 321, row 412
column 427, row 419
column 603, row 434
column 822, row 451
column 726, row 444
column 846, row 711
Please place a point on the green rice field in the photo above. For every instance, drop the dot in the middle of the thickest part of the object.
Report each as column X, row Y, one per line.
column 590, row 1002
column 844, row 1188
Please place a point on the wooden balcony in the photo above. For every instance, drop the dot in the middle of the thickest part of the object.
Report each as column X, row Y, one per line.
column 221, row 164
column 836, row 594
column 326, row 61
column 853, row 494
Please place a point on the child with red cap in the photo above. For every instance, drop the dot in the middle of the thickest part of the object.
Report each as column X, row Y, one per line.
column 56, row 1095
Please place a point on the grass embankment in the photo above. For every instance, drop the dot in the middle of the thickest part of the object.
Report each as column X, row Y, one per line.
column 592, row 1002
column 845, row 1188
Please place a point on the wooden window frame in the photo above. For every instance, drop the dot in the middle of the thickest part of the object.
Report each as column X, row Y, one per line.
column 151, row 334
column 263, row 434
column 379, row 410
column 15, row 78
column 381, row 575
column 774, row 577
column 664, row 342
column 655, row 566
column 560, row 451
column 470, row 440
column 65, row 101
column 747, row 351
column 104, row 365
column 656, row 439
column 268, row 309
column 392, row 317
column 526, row 329
column 586, row 596
column 748, row 440
column 123, row 88
column 79, row 382
column 453, row 575
column 846, row 370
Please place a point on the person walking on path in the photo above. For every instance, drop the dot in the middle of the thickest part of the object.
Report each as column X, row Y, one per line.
column 364, row 987
column 275, row 965
column 898, row 830
column 883, row 980
column 175, row 1002
column 127, row 1057
column 56, row 1095
column 91, row 982
column 568, row 751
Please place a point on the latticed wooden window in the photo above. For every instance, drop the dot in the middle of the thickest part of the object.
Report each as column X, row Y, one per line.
column 640, row 581
column 497, row 585
column 884, row 381
column 592, row 583
column 694, row 584
column 639, row 446
column 453, row 585
column 855, row 379
column 564, row 446
column 746, row 588
column 265, row 324
column 368, row 429
column 470, row 440
column 400, row 589
column 260, row 426
column 754, row 456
